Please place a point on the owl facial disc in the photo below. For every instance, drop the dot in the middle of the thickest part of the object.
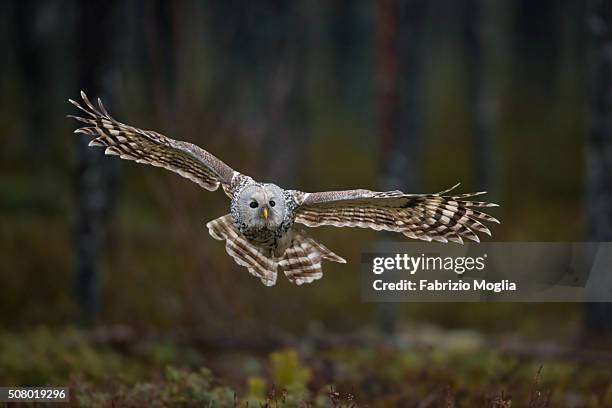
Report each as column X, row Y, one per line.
column 261, row 206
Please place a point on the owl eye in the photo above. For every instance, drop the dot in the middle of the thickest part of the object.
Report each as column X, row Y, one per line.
column 253, row 204
column 272, row 203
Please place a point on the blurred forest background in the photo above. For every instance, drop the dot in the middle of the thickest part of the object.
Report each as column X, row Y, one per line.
column 513, row 97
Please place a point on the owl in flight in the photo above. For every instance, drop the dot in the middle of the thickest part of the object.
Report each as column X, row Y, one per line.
column 260, row 232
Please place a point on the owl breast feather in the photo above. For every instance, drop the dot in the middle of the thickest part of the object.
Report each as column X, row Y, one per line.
column 262, row 237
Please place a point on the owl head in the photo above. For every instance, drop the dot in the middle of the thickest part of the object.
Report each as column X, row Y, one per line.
column 261, row 206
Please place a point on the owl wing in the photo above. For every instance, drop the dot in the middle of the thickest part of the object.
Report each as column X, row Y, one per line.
column 440, row 217
column 146, row 146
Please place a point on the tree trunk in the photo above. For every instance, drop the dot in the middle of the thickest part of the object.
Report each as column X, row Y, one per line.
column 480, row 102
column 30, row 49
column 398, row 42
column 93, row 177
column 598, row 319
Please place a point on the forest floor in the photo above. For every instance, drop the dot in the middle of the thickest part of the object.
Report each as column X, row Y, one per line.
column 121, row 368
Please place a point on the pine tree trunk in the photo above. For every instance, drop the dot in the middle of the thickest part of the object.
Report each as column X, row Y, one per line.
column 93, row 175
column 480, row 101
column 399, row 35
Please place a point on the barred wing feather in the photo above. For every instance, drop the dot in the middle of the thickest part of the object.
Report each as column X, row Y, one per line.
column 439, row 217
column 146, row 146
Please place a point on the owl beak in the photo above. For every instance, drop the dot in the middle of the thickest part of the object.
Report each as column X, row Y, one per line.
column 265, row 213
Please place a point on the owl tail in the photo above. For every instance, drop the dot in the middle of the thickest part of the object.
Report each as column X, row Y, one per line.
column 302, row 260
column 244, row 253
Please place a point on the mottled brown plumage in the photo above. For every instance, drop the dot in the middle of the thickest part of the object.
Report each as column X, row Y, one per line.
column 149, row 147
column 259, row 233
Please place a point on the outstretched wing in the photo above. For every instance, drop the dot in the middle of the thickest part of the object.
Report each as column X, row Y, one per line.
column 439, row 217
column 146, row 146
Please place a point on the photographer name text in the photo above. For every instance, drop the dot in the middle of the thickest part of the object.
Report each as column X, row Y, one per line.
column 411, row 264
column 435, row 285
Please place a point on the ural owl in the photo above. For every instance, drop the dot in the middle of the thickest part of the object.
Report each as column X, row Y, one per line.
column 260, row 232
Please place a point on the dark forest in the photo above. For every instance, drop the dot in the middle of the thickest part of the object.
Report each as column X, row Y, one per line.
column 112, row 286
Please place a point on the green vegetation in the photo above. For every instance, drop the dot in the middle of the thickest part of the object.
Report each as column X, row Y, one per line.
column 103, row 372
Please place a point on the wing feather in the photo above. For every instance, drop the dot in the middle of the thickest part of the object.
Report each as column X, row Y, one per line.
column 149, row 147
column 439, row 217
